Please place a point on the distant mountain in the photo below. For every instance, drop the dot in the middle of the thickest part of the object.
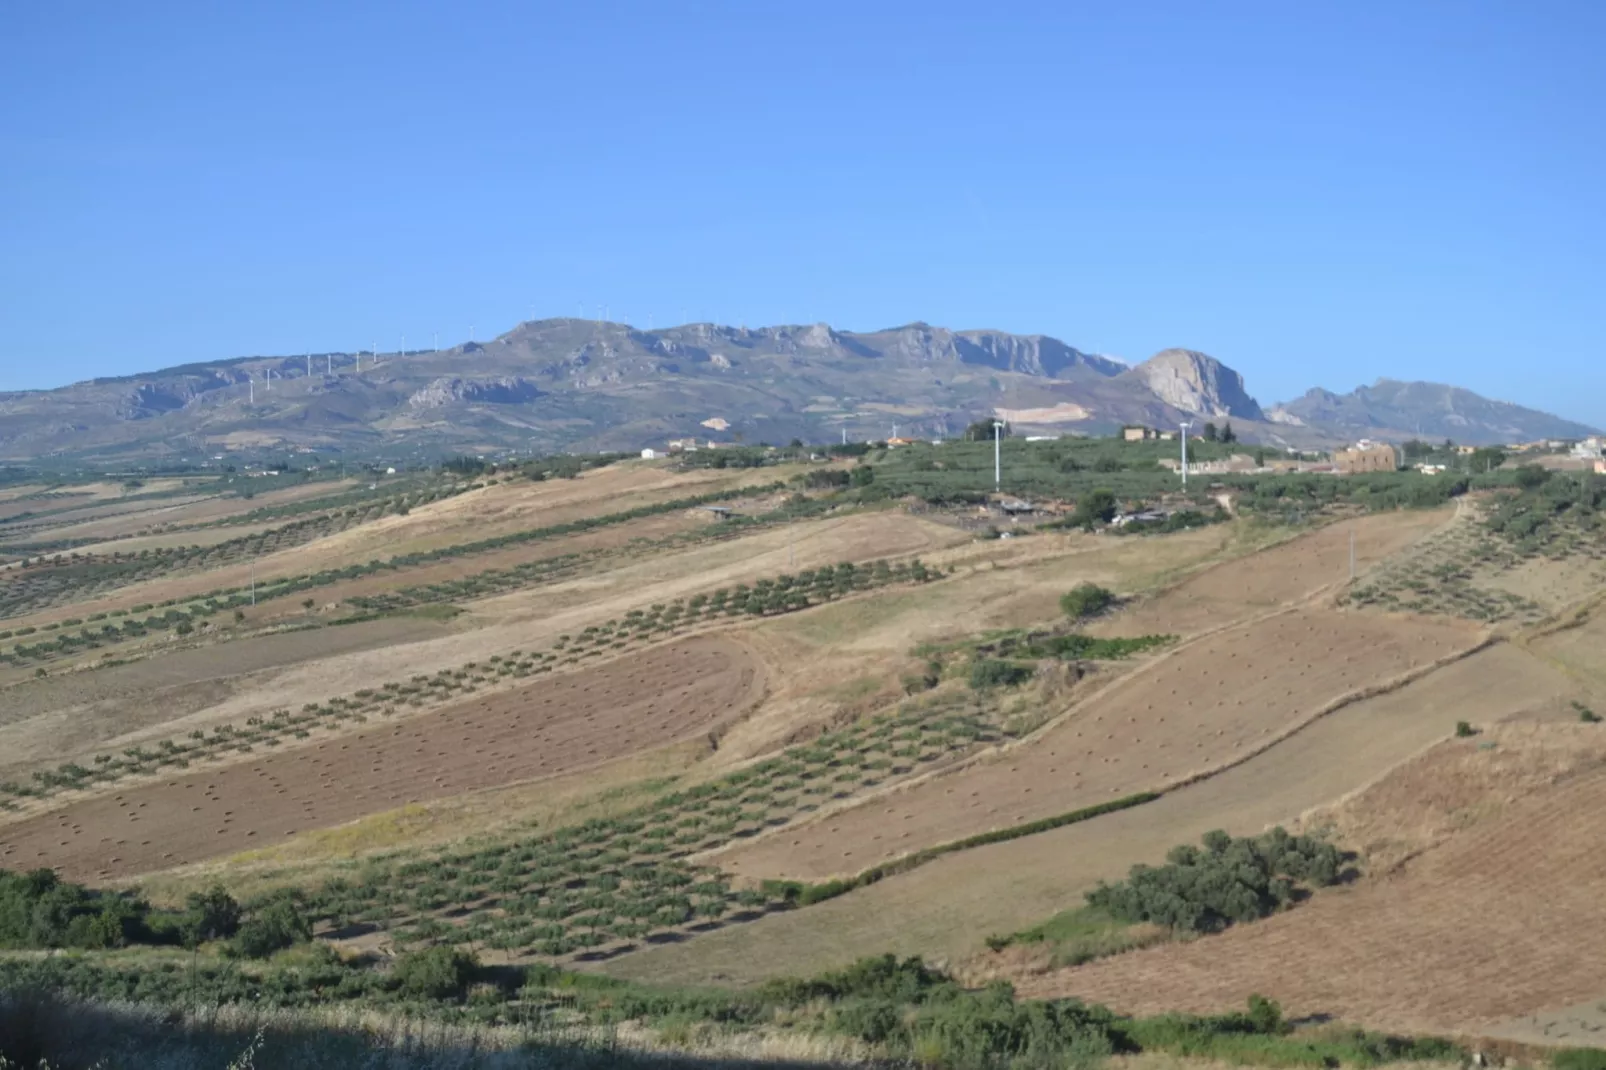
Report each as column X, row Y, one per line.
column 569, row 384
column 1196, row 383
column 1393, row 410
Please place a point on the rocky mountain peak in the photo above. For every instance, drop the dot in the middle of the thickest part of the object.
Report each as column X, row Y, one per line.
column 1197, row 383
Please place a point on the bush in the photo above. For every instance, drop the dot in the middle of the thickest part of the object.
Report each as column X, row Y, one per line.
column 1464, row 730
column 1227, row 882
column 1085, row 600
column 280, row 924
column 995, row 672
column 435, row 973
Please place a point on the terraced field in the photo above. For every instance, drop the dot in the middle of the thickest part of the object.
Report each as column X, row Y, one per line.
column 1208, row 704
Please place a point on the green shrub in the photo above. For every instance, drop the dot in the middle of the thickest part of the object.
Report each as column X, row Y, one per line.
column 995, row 672
column 1085, row 600
column 1463, row 730
column 1226, row 882
column 281, row 923
column 435, row 972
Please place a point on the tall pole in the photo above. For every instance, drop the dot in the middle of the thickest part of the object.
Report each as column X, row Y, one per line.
column 1184, row 426
column 329, row 365
column 998, row 462
column 1352, row 555
column 251, row 385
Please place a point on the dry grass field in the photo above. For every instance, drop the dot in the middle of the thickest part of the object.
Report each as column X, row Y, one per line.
column 1497, row 915
column 945, row 909
column 568, row 722
column 1207, row 704
column 809, row 726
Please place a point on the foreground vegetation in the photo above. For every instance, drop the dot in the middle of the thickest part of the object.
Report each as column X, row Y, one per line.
column 878, row 1011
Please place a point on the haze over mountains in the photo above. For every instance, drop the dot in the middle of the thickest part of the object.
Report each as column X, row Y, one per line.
column 585, row 385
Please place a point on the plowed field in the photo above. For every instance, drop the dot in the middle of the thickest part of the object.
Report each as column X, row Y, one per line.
column 1282, row 575
column 1502, row 920
column 564, row 723
column 1206, row 704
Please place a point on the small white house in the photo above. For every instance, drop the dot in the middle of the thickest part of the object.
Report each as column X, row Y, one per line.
column 649, row 454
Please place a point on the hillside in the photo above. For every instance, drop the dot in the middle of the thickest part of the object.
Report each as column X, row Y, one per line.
column 1391, row 409
column 569, row 384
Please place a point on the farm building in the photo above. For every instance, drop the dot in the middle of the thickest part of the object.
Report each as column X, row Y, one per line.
column 1367, row 456
column 649, row 454
column 1138, row 434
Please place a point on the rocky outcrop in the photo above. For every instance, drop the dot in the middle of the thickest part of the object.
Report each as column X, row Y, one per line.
column 505, row 390
column 1197, row 383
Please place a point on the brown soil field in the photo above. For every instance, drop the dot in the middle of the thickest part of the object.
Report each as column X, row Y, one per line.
column 1289, row 572
column 519, row 621
column 568, row 722
column 489, row 512
column 1555, row 585
column 519, row 505
column 1204, row 705
column 1503, row 918
column 61, row 718
column 944, row 909
column 143, row 516
column 444, row 571
column 1581, row 652
column 97, row 519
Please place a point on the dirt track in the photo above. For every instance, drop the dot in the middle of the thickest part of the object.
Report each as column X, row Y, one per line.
column 1196, row 709
column 568, row 722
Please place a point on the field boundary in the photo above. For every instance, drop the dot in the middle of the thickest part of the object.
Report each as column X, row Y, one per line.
column 808, row 894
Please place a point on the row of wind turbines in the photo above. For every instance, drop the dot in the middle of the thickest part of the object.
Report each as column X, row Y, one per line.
column 329, row 365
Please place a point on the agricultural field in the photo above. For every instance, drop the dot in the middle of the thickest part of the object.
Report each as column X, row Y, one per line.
column 1202, row 706
column 1432, row 943
column 747, row 717
column 1515, row 557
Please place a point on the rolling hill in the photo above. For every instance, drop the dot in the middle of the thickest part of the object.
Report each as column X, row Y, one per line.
column 569, row 384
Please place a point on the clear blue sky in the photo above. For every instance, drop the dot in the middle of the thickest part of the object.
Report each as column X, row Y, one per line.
column 1316, row 193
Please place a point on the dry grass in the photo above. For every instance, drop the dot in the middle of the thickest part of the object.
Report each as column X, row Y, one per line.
column 1206, row 705
column 1498, row 916
column 946, row 908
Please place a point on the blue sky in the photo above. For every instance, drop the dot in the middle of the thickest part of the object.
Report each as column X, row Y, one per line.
column 1317, row 193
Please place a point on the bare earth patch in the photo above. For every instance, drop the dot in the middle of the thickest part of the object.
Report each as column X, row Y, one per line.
column 567, row 722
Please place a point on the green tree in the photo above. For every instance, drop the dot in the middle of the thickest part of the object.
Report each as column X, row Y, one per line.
column 1096, row 506
column 212, row 915
column 280, row 924
column 1228, row 434
column 1085, row 600
column 982, row 430
column 435, row 972
column 1210, row 434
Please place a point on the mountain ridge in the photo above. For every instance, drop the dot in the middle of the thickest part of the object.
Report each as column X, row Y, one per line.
column 572, row 384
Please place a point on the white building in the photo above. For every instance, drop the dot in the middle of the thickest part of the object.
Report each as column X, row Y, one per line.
column 649, row 454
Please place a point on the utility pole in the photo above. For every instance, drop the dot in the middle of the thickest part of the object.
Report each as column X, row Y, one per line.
column 329, row 365
column 1352, row 555
column 251, row 386
column 1185, row 425
column 998, row 462
column 253, row 583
